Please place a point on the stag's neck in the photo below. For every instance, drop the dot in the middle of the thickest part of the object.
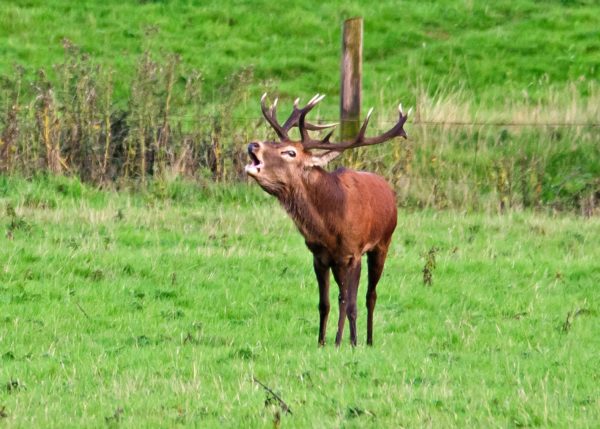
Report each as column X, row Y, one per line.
column 313, row 203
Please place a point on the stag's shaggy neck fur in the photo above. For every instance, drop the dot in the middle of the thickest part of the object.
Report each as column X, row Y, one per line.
column 313, row 202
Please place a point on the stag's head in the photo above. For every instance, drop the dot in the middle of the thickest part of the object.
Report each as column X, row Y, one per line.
column 278, row 165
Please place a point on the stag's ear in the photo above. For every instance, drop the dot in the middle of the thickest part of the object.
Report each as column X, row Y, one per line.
column 320, row 160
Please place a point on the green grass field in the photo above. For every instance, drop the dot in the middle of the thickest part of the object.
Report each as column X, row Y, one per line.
column 492, row 50
column 161, row 306
column 158, row 309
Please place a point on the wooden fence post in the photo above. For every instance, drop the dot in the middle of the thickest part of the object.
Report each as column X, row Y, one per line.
column 351, row 77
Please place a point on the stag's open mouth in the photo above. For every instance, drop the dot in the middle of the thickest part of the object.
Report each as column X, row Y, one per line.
column 254, row 167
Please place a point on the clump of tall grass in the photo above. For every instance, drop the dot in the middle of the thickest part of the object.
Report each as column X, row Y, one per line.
column 522, row 153
column 73, row 124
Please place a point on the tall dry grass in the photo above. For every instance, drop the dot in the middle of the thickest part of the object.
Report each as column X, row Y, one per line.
column 518, row 153
column 73, row 124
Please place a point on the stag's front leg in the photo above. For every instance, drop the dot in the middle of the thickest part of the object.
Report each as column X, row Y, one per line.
column 347, row 276
column 322, row 273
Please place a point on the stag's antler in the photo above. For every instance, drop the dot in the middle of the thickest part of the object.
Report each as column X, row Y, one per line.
column 296, row 117
column 360, row 140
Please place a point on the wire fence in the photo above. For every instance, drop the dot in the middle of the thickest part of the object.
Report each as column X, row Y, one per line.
column 418, row 122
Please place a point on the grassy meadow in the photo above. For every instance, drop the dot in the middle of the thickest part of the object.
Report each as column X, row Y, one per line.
column 145, row 283
column 157, row 309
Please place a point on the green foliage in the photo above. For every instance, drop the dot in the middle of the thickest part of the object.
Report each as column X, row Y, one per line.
column 144, row 310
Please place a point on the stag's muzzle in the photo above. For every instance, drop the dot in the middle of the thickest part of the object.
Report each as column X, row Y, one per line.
column 256, row 164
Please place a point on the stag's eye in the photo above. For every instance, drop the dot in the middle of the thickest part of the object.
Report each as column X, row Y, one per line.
column 290, row 153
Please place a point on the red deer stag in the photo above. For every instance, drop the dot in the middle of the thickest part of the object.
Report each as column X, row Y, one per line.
column 341, row 215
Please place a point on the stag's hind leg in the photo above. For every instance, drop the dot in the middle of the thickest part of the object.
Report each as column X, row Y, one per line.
column 375, row 261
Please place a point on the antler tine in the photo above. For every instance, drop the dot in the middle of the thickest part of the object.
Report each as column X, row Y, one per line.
column 363, row 128
column 301, row 120
column 316, row 98
column 360, row 140
column 294, row 118
column 273, row 111
column 270, row 115
column 327, row 137
column 319, row 127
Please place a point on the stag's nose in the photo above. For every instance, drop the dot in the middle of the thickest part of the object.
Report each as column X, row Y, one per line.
column 252, row 147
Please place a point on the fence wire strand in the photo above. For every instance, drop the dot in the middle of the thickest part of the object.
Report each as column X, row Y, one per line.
column 250, row 119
